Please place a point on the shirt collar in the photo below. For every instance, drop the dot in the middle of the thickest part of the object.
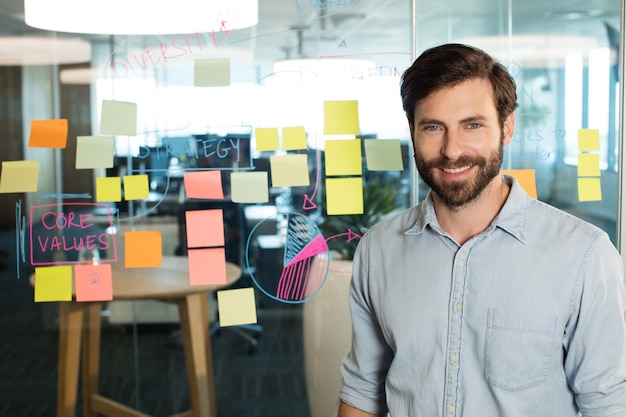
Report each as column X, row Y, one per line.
column 512, row 216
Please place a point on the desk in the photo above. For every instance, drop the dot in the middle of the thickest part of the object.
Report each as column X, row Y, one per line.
column 169, row 283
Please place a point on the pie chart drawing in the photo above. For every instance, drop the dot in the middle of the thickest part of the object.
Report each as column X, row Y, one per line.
column 305, row 259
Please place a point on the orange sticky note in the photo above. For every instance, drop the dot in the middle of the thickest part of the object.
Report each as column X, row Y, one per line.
column 341, row 117
column 236, row 307
column 143, row 249
column 53, row 283
column 48, row 133
column 204, row 184
column 136, row 187
column 205, row 228
column 344, row 196
column 93, row 282
column 526, row 178
column 207, row 266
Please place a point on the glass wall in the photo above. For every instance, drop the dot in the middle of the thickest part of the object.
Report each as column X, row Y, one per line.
column 245, row 163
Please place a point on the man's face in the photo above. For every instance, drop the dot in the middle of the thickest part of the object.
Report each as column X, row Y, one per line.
column 458, row 141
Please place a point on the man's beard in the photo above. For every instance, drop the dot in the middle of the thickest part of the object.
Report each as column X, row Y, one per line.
column 460, row 193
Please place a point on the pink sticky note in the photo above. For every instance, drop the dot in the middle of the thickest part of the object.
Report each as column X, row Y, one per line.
column 207, row 266
column 204, row 184
column 205, row 228
column 93, row 282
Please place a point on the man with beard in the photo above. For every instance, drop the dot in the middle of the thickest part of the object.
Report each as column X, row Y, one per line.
column 481, row 301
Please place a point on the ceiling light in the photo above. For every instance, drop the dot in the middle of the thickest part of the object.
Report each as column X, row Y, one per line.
column 19, row 51
column 78, row 76
column 140, row 17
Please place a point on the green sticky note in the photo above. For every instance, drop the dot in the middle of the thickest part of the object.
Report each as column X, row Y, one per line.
column 294, row 138
column 383, row 155
column 344, row 196
column 341, row 117
column 108, row 189
column 94, row 152
column 118, row 118
column 343, row 157
column 211, row 72
column 588, row 165
column 289, row 170
column 53, row 283
column 236, row 307
column 588, row 140
column 589, row 189
column 136, row 187
column 266, row 138
column 249, row 187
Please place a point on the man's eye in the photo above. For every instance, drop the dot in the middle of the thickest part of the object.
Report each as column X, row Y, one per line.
column 431, row 128
column 474, row 125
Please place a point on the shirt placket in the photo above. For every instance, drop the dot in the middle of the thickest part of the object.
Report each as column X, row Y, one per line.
column 453, row 349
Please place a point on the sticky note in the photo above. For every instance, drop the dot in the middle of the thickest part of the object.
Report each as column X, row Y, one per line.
column 383, row 155
column 136, row 187
column 589, row 189
column 19, row 176
column 94, row 152
column 588, row 165
column 93, row 282
column 341, row 117
column 53, row 283
column 211, row 72
column 204, row 184
column 588, row 140
column 207, row 266
column 343, row 157
column 344, row 196
column 266, row 138
column 118, row 118
column 108, row 189
column 143, row 249
column 289, row 170
column 48, row 134
column 236, row 307
column 294, row 138
column 249, row 187
column 204, row 228
column 526, row 178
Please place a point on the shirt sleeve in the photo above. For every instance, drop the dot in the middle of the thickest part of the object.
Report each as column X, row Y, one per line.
column 595, row 337
column 364, row 368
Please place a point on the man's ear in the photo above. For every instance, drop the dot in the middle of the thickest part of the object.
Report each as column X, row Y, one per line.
column 508, row 129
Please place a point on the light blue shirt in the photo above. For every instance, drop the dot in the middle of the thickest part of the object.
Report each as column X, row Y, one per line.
column 526, row 319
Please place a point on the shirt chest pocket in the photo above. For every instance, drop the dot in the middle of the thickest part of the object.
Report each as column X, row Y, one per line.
column 518, row 347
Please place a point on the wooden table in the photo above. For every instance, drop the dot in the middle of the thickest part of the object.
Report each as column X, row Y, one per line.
column 168, row 283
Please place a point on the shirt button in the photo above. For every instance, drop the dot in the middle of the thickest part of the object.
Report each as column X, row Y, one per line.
column 454, row 358
column 458, row 306
column 450, row 409
column 463, row 255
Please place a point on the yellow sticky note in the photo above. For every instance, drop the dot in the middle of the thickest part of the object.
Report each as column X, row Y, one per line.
column 236, row 307
column 93, row 282
column 136, row 187
column 207, row 266
column 19, row 176
column 94, row 152
column 108, row 189
column 211, row 72
column 143, row 249
column 204, row 228
column 383, row 155
column 588, row 165
column 289, row 170
column 589, row 189
column 249, row 187
column 48, row 133
column 266, row 138
column 118, row 118
column 526, row 178
column 341, row 117
column 294, row 138
column 204, row 184
column 344, row 196
column 53, row 283
column 343, row 157
column 588, row 140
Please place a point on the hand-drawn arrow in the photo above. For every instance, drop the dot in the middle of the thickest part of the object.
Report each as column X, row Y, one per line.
column 308, row 200
column 351, row 236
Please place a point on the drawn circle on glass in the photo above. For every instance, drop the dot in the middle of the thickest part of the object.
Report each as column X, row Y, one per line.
column 304, row 253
